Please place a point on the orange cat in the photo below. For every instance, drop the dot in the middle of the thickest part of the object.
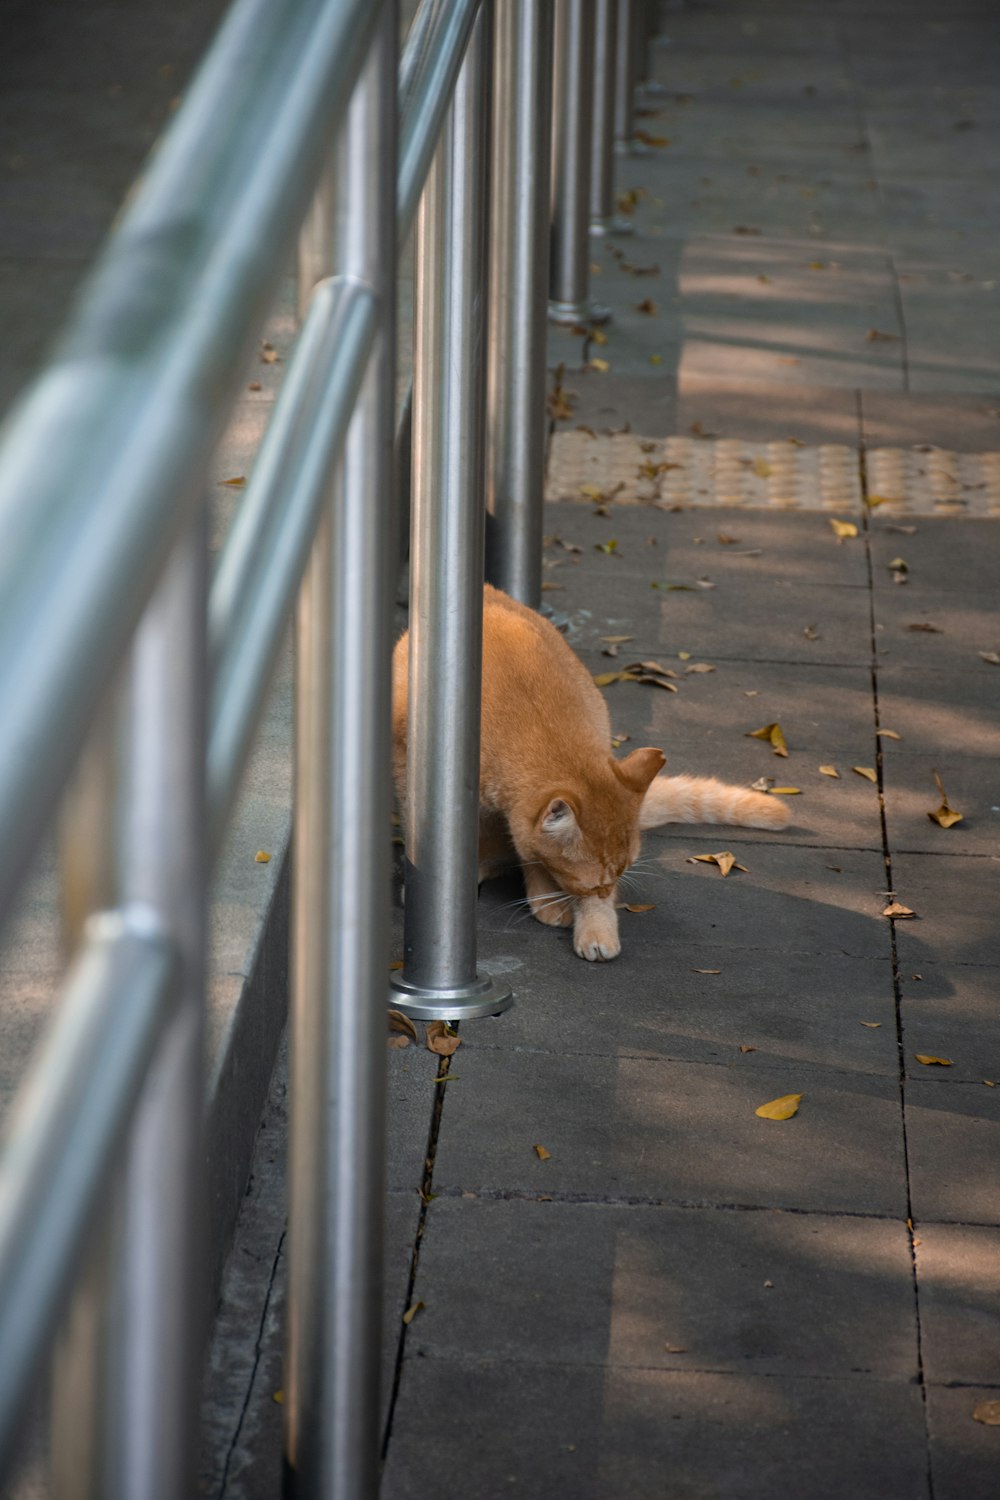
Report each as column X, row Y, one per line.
column 552, row 795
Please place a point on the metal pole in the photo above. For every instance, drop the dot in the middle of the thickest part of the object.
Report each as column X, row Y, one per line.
column 439, row 977
column 573, row 87
column 628, row 31
column 157, row 1346
column 340, row 924
column 603, row 219
column 515, row 442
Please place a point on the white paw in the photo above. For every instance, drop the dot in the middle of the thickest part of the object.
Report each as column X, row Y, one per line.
column 596, row 947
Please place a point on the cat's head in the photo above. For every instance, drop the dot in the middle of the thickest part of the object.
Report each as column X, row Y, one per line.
column 588, row 837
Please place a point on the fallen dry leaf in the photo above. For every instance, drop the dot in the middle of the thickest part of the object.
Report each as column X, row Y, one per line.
column 262, row 857
column 648, row 307
column 236, row 483
column 441, row 1039
column 987, row 1412
column 898, row 910
column 607, row 547
column 887, row 734
column 842, row 529
column 746, row 1047
column 541, row 1153
column 636, row 907
column 675, row 1348
column 617, row 640
column 596, row 335
column 926, row 627
column 592, row 492
column 872, row 1025
column 604, row 679
column 945, row 816
column 929, row 1061
column 397, row 1043
column 772, row 733
column 706, row 971
column 698, row 666
column 866, row 772
column 785, row 791
column 829, row 771
column 762, row 468
column 397, row 963
column 993, row 657
column 278, row 1397
column 400, row 1023
column 875, row 335
column 725, row 861
column 811, row 633
column 727, row 541
column 780, row 1109
column 602, row 366
column 762, row 784
column 656, row 667
column 411, row 1312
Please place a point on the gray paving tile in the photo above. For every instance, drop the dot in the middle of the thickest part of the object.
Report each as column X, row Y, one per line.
column 541, row 1432
column 767, row 409
column 793, row 1009
column 940, row 712
column 586, row 1284
column 965, row 424
column 955, row 897
column 953, row 1134
column 973, row 788
column 963, row 626
column 950, row 1011
column 938, row 141
column 957, row 1272
column 965, row 1455
column 645, row 403
column 676, row 1132
column 944, row 556
column 935, row 305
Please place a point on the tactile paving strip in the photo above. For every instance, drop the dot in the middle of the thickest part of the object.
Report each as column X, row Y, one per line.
column 786, row 475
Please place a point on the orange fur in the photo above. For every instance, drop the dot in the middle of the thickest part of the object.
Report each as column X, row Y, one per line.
column 552, row 795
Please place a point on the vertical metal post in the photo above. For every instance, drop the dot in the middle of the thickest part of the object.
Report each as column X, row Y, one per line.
column 573, row 90
column 439, row 977
column 628, row 31
column 341, row 871
column 603, row 219
column 156, row 1358
column 516, row 376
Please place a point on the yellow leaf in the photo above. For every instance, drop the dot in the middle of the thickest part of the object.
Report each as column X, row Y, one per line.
column 656, row 359
column 600, row 365
column 928, row 1061
column 699, row 666
column 604, row 679
column 762, row 468
column 896, row 909
column 617, row 640
column 541, row 1153
column 592, row 492
column 993, row 657
column 637, row 908
column 648, row 307
column 780, row 1109
column 279, row 1397
column 746, row 1047
column 872, row 1025
column 402, row 1024
column 683, row 656
column 946, row 816
column 397, row 963
column 608, row 547
column 987, row 1412
column 441, row 1039
column 411, row 1313
column 829, row 771
column 598, row 337
column 236, row 483
column 706, row 971
column 725, row 861
column 262, row 857
column 771, row 732
column 876, row 500
column 887, row 734
column 843, row 529
column 785, row 791
column 866, row 772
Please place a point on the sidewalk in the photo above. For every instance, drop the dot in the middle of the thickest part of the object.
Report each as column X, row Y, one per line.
column 682, row 1298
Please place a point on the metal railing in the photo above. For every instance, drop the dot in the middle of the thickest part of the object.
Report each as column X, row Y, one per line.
column 131, row 681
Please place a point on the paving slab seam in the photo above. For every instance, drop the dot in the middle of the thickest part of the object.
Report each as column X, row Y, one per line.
column 426, row 1197
column 515, row 1195
column 455, row 1357
column 805, row 1065
column 896, row 987
column 258, row 1350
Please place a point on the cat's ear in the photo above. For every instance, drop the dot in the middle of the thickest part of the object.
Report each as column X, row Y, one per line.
column 559, row 818
column 638, row 769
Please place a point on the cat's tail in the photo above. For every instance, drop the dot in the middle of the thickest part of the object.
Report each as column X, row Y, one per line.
column 701, row 799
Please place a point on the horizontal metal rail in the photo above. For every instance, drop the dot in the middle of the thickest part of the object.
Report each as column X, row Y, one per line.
column 66, row 1131
column 105, row 456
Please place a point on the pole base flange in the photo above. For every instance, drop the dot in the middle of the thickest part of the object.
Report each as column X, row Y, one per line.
column 485, row 996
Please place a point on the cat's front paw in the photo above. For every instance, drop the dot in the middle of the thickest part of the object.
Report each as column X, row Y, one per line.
column 596, row 936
